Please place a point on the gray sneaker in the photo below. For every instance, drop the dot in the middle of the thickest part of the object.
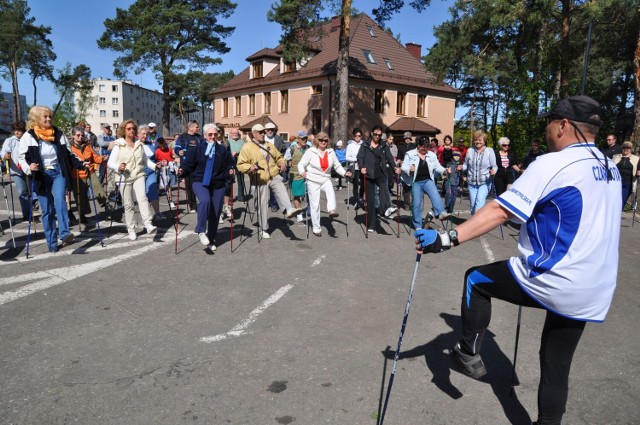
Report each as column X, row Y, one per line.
column 472, row 366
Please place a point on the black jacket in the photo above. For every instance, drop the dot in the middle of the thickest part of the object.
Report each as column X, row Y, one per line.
column 367, row 159
column 66, row 159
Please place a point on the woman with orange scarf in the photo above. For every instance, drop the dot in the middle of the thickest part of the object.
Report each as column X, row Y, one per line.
column 45, row 156
column 84, row 152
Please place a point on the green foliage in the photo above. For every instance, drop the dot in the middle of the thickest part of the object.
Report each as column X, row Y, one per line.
column 70, row 81
column 23, row 45
column 65, row 119
column 166, row 37
column 511, row 59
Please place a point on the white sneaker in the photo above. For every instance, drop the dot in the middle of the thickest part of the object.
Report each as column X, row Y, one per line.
column 265, row 235
column 221, row 219
column 212, row 247
column 390, row 211
column 133, row 236
column 172, row 205
column 151, row 229
column 299, row 218
column 293, row 212
column 226, row 210
column 204, row 240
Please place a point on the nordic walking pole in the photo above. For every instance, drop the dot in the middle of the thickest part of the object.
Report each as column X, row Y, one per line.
column 33, row 181
column 635, row 204
column 6, row 202
column 95, row 209
column 13, row 208
column 515, row 352
column 347, row 222
column 177, row 219
column 306, row 216
column 115, row 203
column 232, row 220
column 402, row 329
column 366, row 209
column 258, row 206
column 77, row 202
column 398, row 201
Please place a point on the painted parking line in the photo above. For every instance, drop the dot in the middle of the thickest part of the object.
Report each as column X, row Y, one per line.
column 241, row 328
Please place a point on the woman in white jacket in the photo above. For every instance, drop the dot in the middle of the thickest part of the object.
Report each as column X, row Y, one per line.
column 315, row 166
column 418, row 171
column 128, row 160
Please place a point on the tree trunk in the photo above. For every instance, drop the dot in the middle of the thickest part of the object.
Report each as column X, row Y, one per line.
column 166, row 107
column 340, row 109
column 35, row 91
column 17, row 108
column 567, row 9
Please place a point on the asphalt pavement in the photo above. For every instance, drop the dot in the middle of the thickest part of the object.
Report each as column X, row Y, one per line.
column 292, row 329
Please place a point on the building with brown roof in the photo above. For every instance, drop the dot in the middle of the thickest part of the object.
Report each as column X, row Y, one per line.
column 388, row 86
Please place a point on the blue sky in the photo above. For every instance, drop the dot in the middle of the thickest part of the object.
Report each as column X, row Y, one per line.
column 77, row 24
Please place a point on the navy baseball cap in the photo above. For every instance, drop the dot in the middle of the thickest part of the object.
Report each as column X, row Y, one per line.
column 576, row 108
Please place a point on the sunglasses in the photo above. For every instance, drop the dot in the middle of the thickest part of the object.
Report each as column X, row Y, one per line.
column 376, row 134
column 323, row 140
column 211, row 134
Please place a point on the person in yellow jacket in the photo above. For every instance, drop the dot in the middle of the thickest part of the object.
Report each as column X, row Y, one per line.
column 264, row 163
column 82, row 149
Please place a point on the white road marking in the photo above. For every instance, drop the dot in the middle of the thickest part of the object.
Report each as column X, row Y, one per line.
column 240, row 328
column 487, row 250
column 60, row 275
column 318, row 260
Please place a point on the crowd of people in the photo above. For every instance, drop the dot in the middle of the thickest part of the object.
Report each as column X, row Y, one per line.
column 568, row 202
column 138, row 165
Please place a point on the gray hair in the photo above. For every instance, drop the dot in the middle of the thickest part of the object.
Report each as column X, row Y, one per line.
column 503, row 141
column 143, row 127
column 210, row 126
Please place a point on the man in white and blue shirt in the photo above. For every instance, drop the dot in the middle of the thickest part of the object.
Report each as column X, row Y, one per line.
column 569, row 205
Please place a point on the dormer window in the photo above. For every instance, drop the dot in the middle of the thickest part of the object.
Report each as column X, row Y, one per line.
column 289, row 66
column 257, row 70
column 371, row 31
column 368, row 56
column 389, row 64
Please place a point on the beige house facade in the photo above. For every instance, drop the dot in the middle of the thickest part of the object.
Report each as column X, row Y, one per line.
column 388, row 86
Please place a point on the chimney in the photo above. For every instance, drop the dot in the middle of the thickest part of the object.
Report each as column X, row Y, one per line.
column 415, row 50
column 335, row 22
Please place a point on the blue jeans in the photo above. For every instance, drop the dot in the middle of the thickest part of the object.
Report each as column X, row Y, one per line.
column 151, row 184
column 23, row 194
column 53, row 204
column 418, row 190
column 478, row 195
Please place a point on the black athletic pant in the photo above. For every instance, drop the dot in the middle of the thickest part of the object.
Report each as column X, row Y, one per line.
column 384, row 202
column 560, row 335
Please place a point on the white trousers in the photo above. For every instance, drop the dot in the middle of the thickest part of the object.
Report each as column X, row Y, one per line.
column 314, row 190
column 126, row 190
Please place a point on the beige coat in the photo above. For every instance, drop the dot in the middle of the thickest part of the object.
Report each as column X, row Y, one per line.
column 252, row 154
column 135, row 159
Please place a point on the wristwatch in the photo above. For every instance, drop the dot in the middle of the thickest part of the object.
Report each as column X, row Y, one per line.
column 453, row 236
